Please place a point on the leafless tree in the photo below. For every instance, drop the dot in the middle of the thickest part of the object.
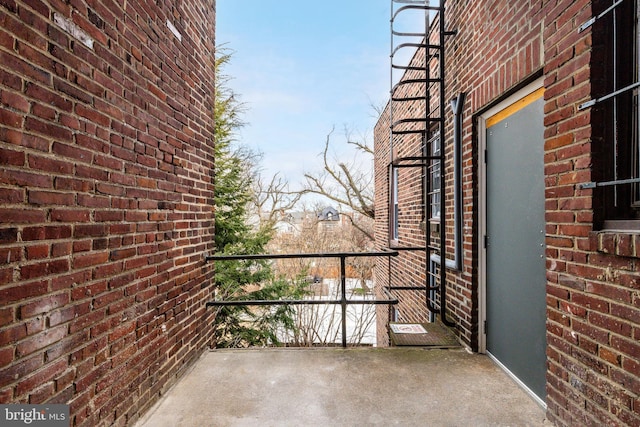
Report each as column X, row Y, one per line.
column 320, row 324
column 273, row 199
column 347, row 184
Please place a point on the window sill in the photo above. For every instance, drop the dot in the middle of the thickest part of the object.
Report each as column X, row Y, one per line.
column 624, row 243
column 622, row 226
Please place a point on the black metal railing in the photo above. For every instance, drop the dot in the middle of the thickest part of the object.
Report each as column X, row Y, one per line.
column 343, row 301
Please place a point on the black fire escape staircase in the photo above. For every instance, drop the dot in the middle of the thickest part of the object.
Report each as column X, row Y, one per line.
column 419, row 114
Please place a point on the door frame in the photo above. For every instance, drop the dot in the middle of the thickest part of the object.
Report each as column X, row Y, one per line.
column 482, row 217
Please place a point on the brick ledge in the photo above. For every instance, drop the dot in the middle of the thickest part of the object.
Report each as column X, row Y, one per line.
column 614, row 242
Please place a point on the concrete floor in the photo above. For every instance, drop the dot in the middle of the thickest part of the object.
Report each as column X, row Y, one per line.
column 338, row 387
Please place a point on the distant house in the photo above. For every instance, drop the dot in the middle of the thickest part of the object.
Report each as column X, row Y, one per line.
column 328, row 220
column 295, row 221
column 508, row 156
column 292, row 222
column 328, row 214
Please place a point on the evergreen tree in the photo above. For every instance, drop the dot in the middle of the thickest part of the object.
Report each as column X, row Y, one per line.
column 235, row 170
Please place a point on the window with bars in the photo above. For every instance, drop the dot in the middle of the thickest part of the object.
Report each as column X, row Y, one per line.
column 394, row 223
column 434, row 172
column 614, row 67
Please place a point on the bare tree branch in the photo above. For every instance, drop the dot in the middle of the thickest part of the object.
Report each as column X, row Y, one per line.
column 273, row 199
column 362, row 228
column 362, row 146
column 341, row 182
column 353, row 186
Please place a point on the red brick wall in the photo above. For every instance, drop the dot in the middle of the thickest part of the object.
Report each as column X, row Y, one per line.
column 593, row 327
column 105, row 190
column 593, row 290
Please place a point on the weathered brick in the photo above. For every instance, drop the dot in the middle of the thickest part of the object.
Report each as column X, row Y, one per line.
column 10, row 118
column 626, row 346
column 46, row 232
column 23, row 291
column 44, row 269
column 23, row 367
column 86, row 321
column 90, row 380
column 93, row 115
column 87, row 260
column 8, row 235
column 65, row 346
column 15, row 101
column 6, row 356
column 67, row 215
column 71, row 151
column 26, row 179
column 48, row 129
column 121, row 331
column 91, row 173
column 37, row 251
column 43, row 305
column 90, row 230
column 50, row 198
column 6, row 316
column 41, row 340
column 108, row 270
column 81, row 246
column 60, row 249
column 11, row 157
column 627, row 380
column 48, row 97
column 47, row 373
column 50, row 165
column 13, row 334
column 41, row 394
column 626, row 312
column 72, row 91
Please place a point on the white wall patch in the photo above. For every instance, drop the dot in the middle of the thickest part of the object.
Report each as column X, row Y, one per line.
column 174, row 30
column 72, row 29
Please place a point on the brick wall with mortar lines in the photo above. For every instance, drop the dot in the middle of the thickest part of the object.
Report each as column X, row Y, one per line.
column 593, row 286
column 106, row 185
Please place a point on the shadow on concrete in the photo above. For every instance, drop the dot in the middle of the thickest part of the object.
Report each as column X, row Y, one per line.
column 345, row 387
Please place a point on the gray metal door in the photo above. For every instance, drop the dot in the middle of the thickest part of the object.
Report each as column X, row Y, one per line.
column 516, row 276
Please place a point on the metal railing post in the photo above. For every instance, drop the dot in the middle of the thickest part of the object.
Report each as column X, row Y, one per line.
column 343, row 290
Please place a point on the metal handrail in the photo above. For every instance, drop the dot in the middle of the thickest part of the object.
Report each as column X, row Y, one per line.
column 343, row 301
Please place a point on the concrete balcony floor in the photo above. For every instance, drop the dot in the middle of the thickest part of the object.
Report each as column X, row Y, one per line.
column 345, row 387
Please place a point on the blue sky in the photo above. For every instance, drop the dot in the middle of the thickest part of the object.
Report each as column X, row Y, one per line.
column 301, row 68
